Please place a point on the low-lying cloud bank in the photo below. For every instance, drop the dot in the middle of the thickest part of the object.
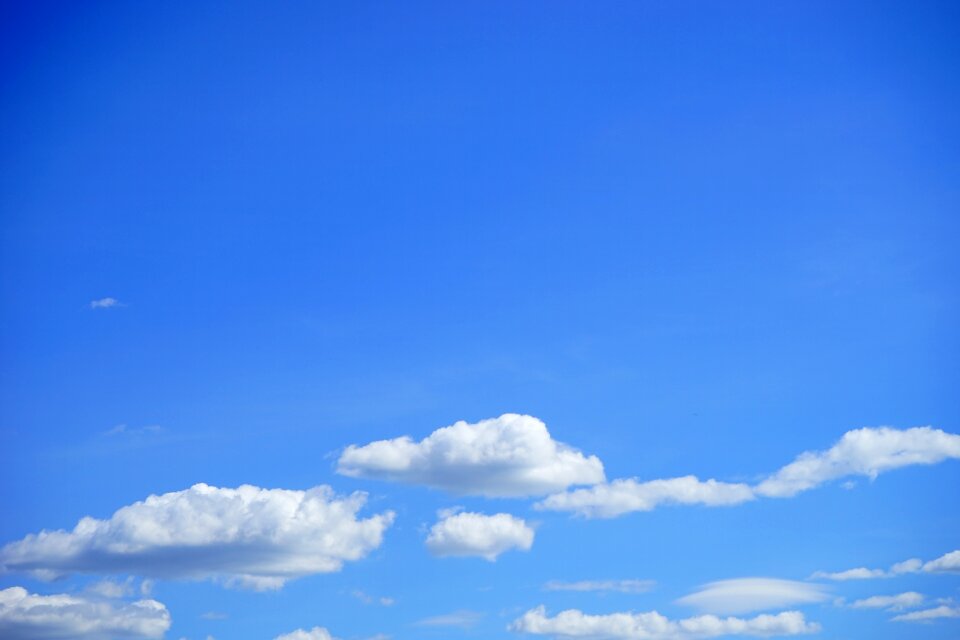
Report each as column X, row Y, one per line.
column 861, row 452
column 248, row 536
column 573, row 623
column 510, row 456
column 25, row 615
column 947, row 563
column 476, row 534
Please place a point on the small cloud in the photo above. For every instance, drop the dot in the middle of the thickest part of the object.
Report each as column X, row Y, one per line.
column 462, row 618
column 122, row 429
column 929, row 615
column 387, row 602
column 214, row 615
column 476, row 534
column 623, row 586
column 105, row 303
column 111, row 589
column 366, row 598
column 899, row 602
column 743, row 595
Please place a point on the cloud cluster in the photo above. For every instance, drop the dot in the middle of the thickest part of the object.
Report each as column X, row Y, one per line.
column 249, row 536
column 510, row 456
column 866, row 452
column 317, row 633
column 622, row 586
column 476, row 534
column 743, row 595
column 947, row 563
column 628, row 495
column 573, row 623
column 25, row 616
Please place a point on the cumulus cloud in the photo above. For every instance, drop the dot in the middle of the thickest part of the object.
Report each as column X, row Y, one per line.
column 623, row 586
column 573, row 623
column 105, row 303
column 628, row 495
column 899, row 602
column 864, row 452
column 743, row 595
column 510, row 456
column 25, row 616
column 476, row 534
column 947, row 563
column 929, row 615
column 317, row 633
column 248, row 536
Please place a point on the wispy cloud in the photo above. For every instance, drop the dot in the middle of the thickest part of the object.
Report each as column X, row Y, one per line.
column 947, row 563
column 463, row 619
column 929, row 615
column 899, row 602
column 623, row 586
column 105, row 303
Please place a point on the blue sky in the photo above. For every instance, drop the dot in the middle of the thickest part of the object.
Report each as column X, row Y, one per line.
column 683, row 239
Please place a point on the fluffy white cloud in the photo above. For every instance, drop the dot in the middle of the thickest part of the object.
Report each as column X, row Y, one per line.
column 317, row 633
column 623, row 586
column 653, row 626
column 628, row 495
column 25, row 615
column 899, row 602
column 249, row 536
column 509, row 456
column 947, row 563
column 865, row 452
column 743, row 595
column 476, row 534
column 928, row 615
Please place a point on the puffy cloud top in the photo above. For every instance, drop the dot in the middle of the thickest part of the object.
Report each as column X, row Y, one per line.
column 25, row 616
column 317, row 633
column 654, row 626
column 510, row 456
column 250, row 536
column 476, row 534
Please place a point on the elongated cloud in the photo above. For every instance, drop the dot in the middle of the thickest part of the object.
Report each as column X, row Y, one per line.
column 573, row 623
column 867, row 452
column 929, row 615
column 947, row 563
column 476, row 534
column 509, row 456
column 249, row 536
column 317, row 633
column 26, row 616
column 744, row 595
column 623, row 586
column 899, row 602
column 863, row 452
column 625, row 496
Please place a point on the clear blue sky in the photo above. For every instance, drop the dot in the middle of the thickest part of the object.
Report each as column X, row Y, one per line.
column 689, row 237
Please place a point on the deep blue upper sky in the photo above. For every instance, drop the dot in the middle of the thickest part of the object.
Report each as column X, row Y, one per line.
column 691, row 237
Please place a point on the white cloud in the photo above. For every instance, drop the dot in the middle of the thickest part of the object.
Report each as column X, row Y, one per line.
column 317, row 633
column 623, row 586
column 573, row 623
column 463, row 619
column 899, row 602
column 929, row 615
column 628, row 495
column 865, row 452
column 105, row 303
column 366, row 598
column 510, row 456
column 24, row 615
column 247, row 536
column 743, row 595
column 476, row 534
column 947, row 563
column 111, row 589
